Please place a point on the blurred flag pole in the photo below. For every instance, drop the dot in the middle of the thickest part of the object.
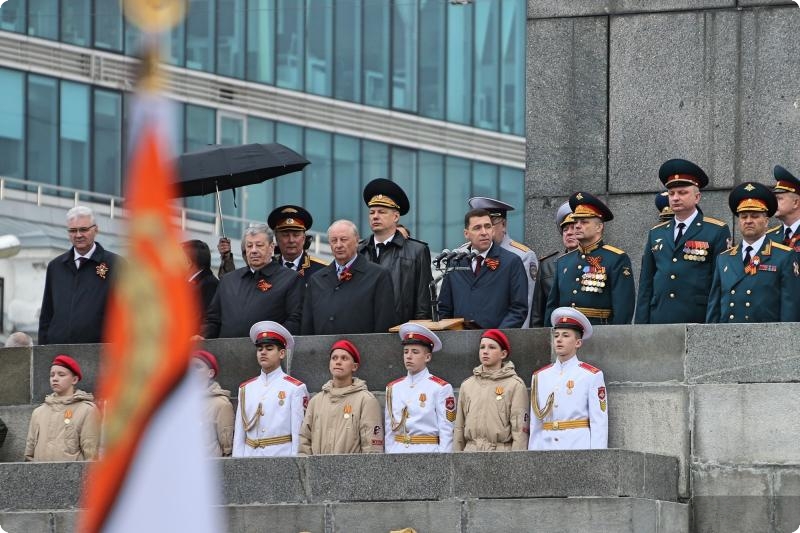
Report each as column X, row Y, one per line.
column 153, row 474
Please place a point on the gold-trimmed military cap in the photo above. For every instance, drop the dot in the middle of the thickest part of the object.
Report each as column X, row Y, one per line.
column 680, row 173
column 585, row 205
column 496, row 208
column 665, row 212
column 290, row 217
column 786, row 181
column 752, row 196
column 381, row 192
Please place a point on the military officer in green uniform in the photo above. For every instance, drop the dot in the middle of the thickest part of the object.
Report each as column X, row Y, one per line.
column 757, row 280
column 679, row 254
column 596, row 279
column 787, row 191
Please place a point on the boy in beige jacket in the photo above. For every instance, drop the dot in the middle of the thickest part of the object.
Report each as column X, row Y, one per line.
column 492, row 412
column 219, row 411
column 66, row 427
column 344, row 417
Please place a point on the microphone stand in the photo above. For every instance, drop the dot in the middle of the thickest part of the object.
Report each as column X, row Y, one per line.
column 444, row 271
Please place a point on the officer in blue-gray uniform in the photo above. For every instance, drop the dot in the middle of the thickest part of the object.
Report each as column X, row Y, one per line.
column 787, row 191
column 596, row 279
column 662, row 206
column 290, row 224
column 757, row 280
column 679, row 254
column 498, row 211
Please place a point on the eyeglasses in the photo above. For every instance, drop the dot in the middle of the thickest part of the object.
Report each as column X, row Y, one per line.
column 73, row 231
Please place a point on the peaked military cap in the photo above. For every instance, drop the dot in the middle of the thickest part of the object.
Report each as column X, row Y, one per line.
column 496, row 208
column 786, row 182
column 413, row 333
column 680, row 173
column 290, row 217
column 564, row 215
column 269, row 332
column 381, row 192
column 571, row 318
column 751, row 196
column 662, row 204
column 585, row 205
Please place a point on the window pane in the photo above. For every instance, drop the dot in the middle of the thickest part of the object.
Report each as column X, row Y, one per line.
column 457, row 191
column 376, row 53
column 200, row 132
column 74, row 146
column 404, row 173
column 108, row 25
column 261, row 40
column 42, row 129
column 12, row 16
column 319, row 55
column 512, row 191
column 484, row 180
column 459, row 65
column 318, row 176
column 230, row 38
column 289, row 189
column 374, row 164
column 512, row 84
column 43, row 18
column 487, row 69
column 348, row 34
column 347, row 193
column 430, row 206
column 107, row 133
column 200, row 35
column 404, row 58
column 260, row 197
column 432, row 58
column 174, row 46
column 231, row 133
column 75, row 21
column 12, row 125
column 133, row 39
column 291, row 45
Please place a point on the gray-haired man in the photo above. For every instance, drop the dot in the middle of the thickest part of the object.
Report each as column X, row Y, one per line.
column 262, row 290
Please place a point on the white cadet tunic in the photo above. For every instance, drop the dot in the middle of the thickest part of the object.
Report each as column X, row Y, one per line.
column 578, row 418
column 269, row 415
column 430, row 407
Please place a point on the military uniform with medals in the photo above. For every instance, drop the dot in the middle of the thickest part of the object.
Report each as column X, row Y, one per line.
column 294, row 217
column 788, row 235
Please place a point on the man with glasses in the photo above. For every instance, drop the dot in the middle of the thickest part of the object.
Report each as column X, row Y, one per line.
column 77, row 285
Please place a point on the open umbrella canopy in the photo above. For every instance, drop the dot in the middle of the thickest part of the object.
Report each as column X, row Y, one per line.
column 217, row 168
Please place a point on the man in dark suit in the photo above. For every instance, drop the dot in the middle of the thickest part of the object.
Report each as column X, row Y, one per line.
column 757, row 280
column 351, row 295
column 198, row 255
column 262, row 290
column 77, row 285
column 787, row 191
column 490, row 289
column 680, row 253
column 596, row 278
column 290, row 223
column 408, row 260
column 547, row 264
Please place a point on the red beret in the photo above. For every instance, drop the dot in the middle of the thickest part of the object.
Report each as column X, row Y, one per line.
column 209, row 359
column 499, row 337
column 70, row 364
column 348, row 347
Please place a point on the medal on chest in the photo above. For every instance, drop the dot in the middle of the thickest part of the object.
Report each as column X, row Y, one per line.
column 281, row 397
column 68, row 416
column 499, row 393
column 348, row 410
column 570, row 386
column 594, row 275
column 695, row 250
column 422, row 398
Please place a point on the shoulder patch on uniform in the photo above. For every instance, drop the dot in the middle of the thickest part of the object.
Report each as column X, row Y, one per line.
column 243, row 383
column 613, row 249
column 661, row 224
column 519, row 245
column 543, row 368
column 317, row 260
column 398, row 380
column 783, row 247
column 548, row 256
column 437, row 379
column 590, row 368
column 775, row 229
column 293, row 381
column 713, row 220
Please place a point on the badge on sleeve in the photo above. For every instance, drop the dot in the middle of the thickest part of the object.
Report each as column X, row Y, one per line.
column 601, row 395
column 305, row 402
column 450, row 408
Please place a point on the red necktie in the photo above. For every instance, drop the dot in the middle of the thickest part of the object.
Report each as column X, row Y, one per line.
column 478, row 261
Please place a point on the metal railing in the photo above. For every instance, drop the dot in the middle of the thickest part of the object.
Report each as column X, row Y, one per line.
column 196, row 220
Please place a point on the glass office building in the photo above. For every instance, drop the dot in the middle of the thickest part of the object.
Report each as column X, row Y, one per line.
column 427, row 93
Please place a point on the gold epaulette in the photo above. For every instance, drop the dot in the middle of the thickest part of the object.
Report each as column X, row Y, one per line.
column 733, row 250
column 783, row 247
column 775, row 229
column 317, row 260
column 519, row 245
column 714, row 221
column 661, row 224
column 613, row 249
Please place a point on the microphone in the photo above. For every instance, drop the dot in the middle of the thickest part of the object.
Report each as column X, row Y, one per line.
column 463, row 255
column 438, row 258
column 451, row 256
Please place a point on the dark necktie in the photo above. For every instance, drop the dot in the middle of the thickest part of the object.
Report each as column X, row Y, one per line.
column 380, row 249
column 680, row 232
column 747, row 256
column 81, row 261
column 289, row 265
column 787, row 237
column 478, row 261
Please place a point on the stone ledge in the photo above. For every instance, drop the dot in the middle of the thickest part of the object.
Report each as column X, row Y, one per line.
column 385, row 478
column 584, row 8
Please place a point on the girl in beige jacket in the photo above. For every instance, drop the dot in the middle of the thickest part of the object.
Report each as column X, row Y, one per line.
column 344, row 417
column 493, row 403
column 218, row 417
column 66, row 427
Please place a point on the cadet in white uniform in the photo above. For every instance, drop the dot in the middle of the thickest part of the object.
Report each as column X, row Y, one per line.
column 498, row 212
column 420, row 407
column 569, row 407
column 271, row 405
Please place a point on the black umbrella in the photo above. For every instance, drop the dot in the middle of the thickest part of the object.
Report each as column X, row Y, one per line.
column 218, row 168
